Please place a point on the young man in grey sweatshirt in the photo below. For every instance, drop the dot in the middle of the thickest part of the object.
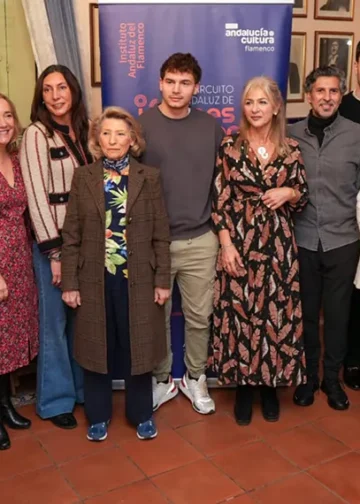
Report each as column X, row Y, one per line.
column 183, row 143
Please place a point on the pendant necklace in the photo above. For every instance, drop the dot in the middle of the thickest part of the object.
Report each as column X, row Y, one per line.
column 263, row 153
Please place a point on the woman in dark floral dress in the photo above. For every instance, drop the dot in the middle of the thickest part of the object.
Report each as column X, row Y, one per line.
column 19, row 341
column 257, row 329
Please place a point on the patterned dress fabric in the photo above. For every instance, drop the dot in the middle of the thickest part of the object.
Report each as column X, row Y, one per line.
column 19, row 334
column 116, row 193
column 257, row 336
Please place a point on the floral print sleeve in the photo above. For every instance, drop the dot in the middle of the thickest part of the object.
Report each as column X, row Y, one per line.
column 221, row 200
column 298, row 176
column 116, row 193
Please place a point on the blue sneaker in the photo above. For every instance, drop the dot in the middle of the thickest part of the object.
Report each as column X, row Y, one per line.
column 98, row 431
column 146, row 430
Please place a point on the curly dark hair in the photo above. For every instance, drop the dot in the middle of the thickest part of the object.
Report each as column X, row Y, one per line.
column 325, row 71
column 182, row 62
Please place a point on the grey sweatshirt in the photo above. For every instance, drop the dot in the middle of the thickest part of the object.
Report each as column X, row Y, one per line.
column 185, row 151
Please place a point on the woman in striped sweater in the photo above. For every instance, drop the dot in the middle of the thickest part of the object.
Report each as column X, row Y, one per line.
column 52, row 148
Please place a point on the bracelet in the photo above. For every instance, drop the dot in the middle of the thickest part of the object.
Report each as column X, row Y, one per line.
column 227, row 246
column 294, row 194
column 55, row 255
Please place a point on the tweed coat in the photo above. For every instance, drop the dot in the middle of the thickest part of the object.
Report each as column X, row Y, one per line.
column 83, row 265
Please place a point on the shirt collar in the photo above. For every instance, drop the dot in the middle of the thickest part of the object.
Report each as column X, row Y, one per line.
column 60, row 127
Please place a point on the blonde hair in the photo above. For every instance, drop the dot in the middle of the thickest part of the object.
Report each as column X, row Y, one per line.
column 278, row 125
column 12, row 146
column 116, row 113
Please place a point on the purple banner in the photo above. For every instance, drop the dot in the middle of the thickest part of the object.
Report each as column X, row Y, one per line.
column 232, row 42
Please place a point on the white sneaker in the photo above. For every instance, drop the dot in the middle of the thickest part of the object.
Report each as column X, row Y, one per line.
column 163, row 392
column 197, row 392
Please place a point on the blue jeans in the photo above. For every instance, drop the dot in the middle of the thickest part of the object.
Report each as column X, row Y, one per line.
column 60, row 381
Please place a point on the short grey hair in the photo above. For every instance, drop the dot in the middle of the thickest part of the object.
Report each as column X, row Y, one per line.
column 325, row 71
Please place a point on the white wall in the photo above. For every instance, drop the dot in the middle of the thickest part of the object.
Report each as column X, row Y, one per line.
column 17, row 65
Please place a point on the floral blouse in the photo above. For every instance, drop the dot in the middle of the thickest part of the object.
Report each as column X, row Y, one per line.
column 116, row 194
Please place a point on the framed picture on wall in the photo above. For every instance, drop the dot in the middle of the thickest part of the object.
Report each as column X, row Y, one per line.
column 95, row 45
column 335, row 48
column 295, row 90
column 335, row 9
column 300, row 8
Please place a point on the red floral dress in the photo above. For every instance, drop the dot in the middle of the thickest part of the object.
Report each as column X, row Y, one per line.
column 257, row 336
column 19, row 335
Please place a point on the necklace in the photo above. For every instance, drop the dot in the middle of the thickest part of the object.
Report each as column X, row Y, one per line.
column 263, row 153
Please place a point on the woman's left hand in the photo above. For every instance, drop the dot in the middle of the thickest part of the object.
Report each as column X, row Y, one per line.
column 161, row 295
column 275, row 198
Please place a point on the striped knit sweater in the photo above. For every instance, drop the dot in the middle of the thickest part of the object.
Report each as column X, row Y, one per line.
column 48, row 165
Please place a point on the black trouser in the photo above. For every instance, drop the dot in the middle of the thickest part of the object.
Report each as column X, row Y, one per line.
column 353, row 353
column 98, row 387
column 326, row 280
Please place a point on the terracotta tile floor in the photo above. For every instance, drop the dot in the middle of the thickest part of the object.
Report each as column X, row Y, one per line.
column 311, row 456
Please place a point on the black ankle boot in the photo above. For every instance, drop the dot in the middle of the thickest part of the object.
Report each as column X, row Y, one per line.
column 304, row 395
column 8, row 413
column 270, row 404
column 337, row 398
column 12, row 418
column 4, row 438
column 243, row 404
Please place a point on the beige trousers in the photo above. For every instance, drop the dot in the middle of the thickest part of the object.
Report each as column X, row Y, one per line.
column 193, row 267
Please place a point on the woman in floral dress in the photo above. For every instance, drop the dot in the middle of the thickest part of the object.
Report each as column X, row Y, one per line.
column 257, row 329
column 19, row 339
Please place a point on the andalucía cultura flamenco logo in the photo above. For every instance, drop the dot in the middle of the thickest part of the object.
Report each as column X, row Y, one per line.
column 254, row 40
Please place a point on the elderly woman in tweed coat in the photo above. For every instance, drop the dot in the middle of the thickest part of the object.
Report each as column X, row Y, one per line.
column 116, row 271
